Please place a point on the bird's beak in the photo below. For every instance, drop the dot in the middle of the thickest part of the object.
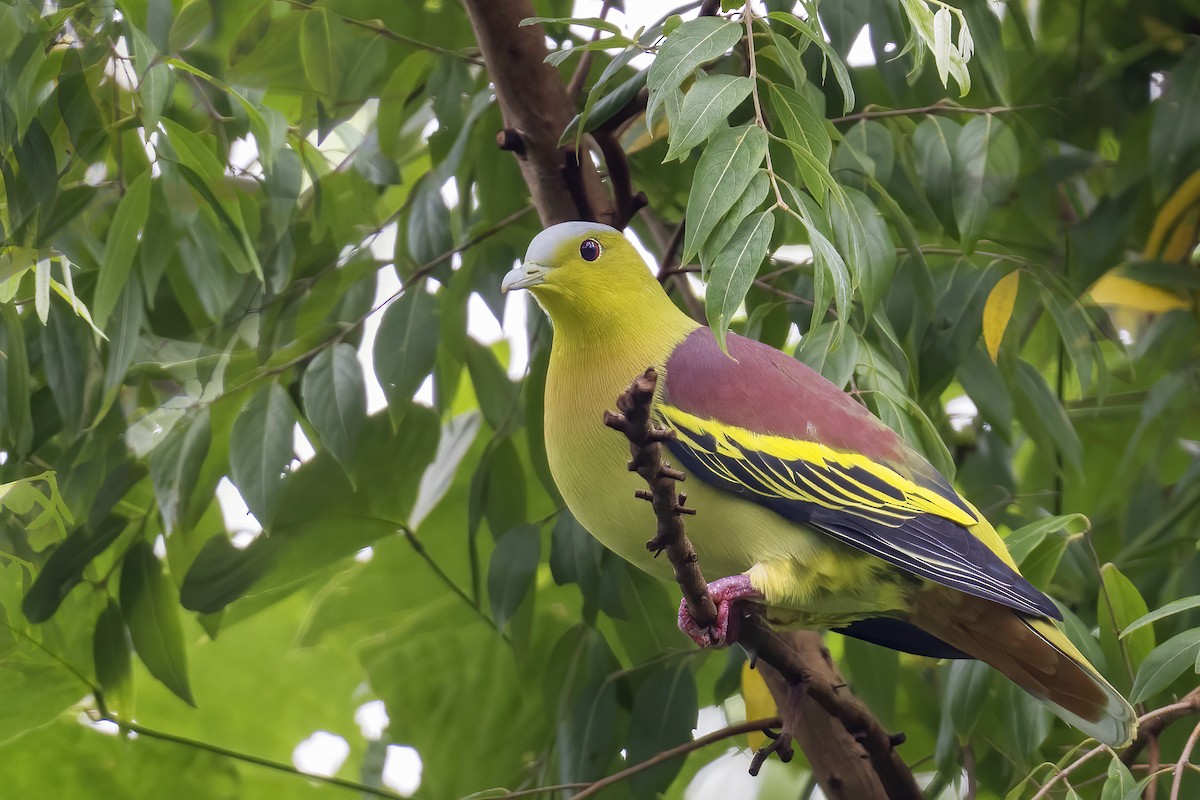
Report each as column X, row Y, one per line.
column 523, row 276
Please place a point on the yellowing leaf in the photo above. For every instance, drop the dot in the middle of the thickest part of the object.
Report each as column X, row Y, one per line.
column 759, row 703
column 1121, row 292
column 997, row 311
column 1172, row 212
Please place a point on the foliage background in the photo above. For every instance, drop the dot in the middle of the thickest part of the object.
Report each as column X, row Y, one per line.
column 172, row 310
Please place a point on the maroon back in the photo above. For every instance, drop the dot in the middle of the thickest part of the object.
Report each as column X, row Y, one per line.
column 766, row 391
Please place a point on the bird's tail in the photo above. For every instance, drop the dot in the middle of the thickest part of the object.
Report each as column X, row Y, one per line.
column 1037, row 656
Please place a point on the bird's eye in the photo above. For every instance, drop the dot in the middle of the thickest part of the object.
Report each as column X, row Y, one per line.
column 589, row 249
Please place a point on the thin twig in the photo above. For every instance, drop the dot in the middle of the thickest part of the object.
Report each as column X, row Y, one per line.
column 390, row 34
column 420, row 550
column 1067, row 770
column 1168, row 713
column 1153, row 724
column 675, row 752
column 759, row 120
column 1184, row 758
column 150, row 733
column 940, row 107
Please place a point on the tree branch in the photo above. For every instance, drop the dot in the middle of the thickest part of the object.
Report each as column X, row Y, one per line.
column 679, row 750
column 1153, row 726
column 536, row 108
column 801, row 674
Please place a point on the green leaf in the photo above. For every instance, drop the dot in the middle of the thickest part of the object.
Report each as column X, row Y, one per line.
column 406, row 346
column 858, row 222
column 663, row 715
column 935, row 142
column 151, row 611
column 585, row 22
column 112, row 654
column 64, row 569
column 835, row 361
column 706, row 105
column 175, row 465
column 1164, row 664
column 875, row 676
column 497, row 394
column 260, row 450
column 597, row 109
column 1119, row 604
column 840, row 72
column 512, row 569
column 1044, row 418
column 734, row 269
column 335, row 399
column 693, row 43
column 1119, row 783
column 726, row 168
column 14, row 375
column 866, row 150
column 986, row 160
column 1170, row 609
column 831, row 276
column 750, row 200
column 1173, row 133
column 64, row 354
column 807, row 136
column 319, row 50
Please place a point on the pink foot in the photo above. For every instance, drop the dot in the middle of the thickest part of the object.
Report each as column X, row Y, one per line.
column 725, row 592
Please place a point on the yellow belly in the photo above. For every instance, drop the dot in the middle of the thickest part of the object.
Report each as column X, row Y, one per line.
column 809, row 579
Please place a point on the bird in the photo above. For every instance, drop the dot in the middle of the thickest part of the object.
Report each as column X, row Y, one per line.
column 806, row 503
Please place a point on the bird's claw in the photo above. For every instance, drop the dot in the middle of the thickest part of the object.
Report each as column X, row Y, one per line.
column 724, row 592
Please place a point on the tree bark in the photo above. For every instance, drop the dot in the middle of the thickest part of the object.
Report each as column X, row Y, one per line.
column 536, row 109
column 841, row 766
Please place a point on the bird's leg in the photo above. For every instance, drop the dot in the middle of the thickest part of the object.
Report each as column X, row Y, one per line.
column 725, row 592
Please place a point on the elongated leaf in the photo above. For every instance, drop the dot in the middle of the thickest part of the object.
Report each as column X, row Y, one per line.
column 175, row 465
column 840, row 72
column 1166, row 663
column 934, row 143
column 860, row 231
column 734, row 269
column 260, row 450
column 1043, row 416
column 835, row 362
column 693, row 43
column 335, row 399
column 497, row 395
column 664, row 713
column 726, row 167
column 750, row 200
column 406, row 346
column 706, row 105
column 986, row 160
column 121, row 246
column 64, row 569
column 112, row 654
column 1119, row 783
column 1174, row 134
column 997, row 311
column 512, row 569
column 831, row 277
column 1119, row 604
column 152, row 613
column 806, row 134
column 1170, row 609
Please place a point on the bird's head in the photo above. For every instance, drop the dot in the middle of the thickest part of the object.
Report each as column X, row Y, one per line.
column 586, row 272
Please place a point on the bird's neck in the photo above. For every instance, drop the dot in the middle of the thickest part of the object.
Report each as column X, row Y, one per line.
column 594, row 360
